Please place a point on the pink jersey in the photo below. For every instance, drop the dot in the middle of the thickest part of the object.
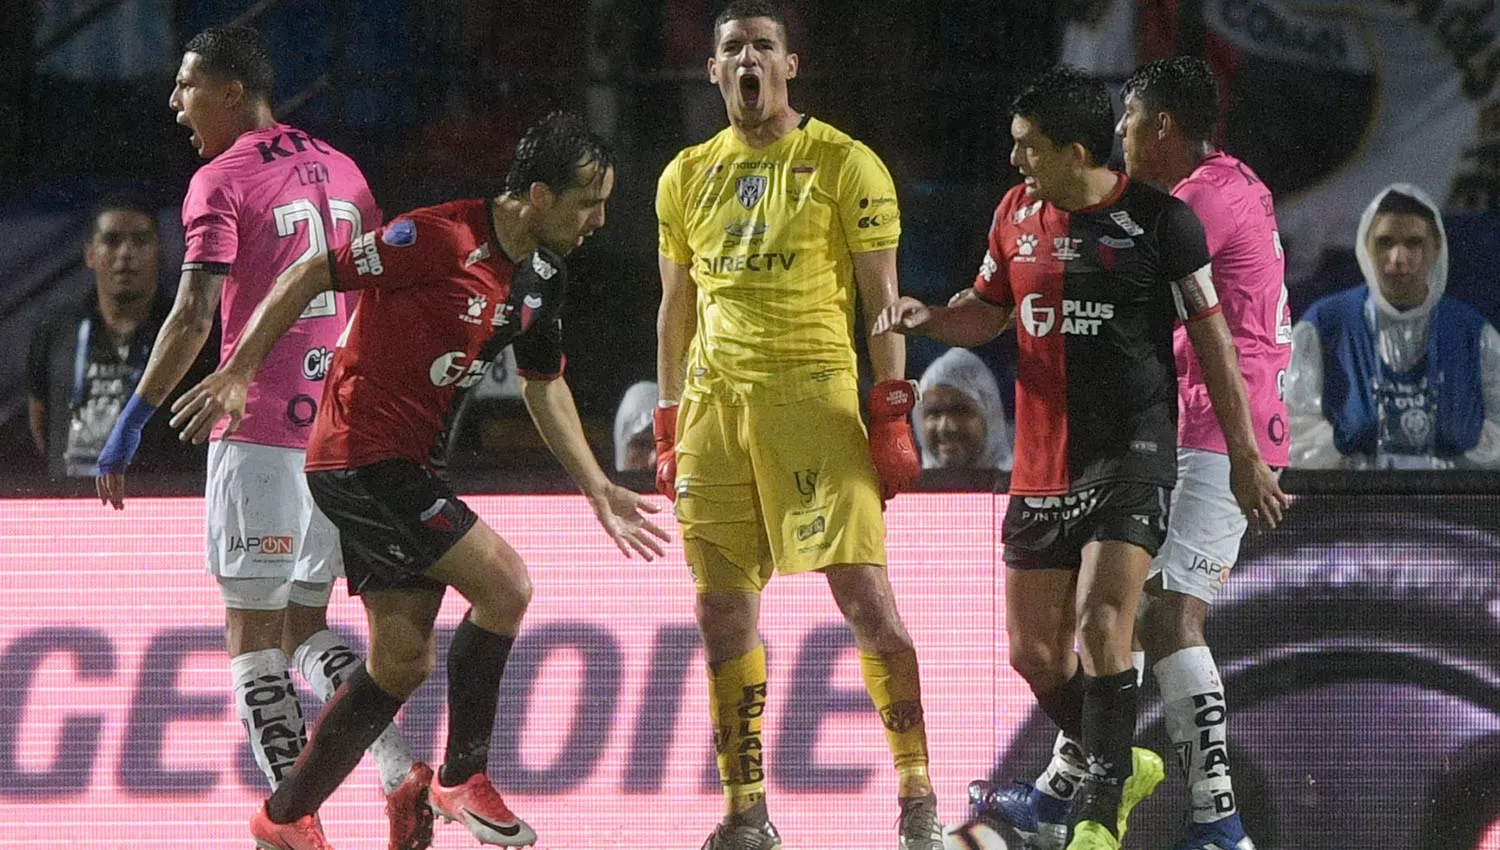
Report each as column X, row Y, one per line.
column 277, row 197
column 1240, row 223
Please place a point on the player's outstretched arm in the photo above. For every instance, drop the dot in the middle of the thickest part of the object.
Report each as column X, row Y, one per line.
column 1253, row 483
column 892, row 397
column 178, row 344
column 551, row 405
column 676, row 325
column 223, row 393
column 967, row 322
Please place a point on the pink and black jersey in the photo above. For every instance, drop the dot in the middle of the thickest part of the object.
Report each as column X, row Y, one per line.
column 276, row 198
column 1239, row 221
column 440, row 300
column 1095, row 303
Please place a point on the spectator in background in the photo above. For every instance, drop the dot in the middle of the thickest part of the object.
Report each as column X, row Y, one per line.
column 959, row 420
column 635, row 445
column 86, row 359
column 1392, row 374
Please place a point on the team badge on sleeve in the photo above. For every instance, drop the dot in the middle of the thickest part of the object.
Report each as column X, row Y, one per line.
column 400, row 233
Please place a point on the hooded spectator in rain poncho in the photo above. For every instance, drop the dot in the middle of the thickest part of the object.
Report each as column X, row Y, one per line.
column 1392, row 374
column 635, row 448
column 959, row 420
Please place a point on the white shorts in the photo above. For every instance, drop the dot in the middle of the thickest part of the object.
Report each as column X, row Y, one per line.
column 272, row 594
column 262, row 522
column 1204, row 528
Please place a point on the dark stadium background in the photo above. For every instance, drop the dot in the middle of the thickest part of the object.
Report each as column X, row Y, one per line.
column 1362, row 637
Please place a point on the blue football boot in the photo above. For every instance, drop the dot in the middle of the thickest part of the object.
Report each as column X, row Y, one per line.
column 1223, row 834
column 1040, row 820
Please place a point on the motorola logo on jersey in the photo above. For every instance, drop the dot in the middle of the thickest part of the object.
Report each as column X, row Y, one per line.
column 315, row 363
column 452, row 368
column 1079, row 318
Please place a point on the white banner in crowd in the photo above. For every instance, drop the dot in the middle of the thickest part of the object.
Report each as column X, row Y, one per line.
column 1335, row 100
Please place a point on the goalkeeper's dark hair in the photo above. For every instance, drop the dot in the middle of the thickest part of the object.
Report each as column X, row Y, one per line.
column 132, row 202
column 1185, row 88
column 744, row 10
column 1070, row 107
column 1399, row 203
column 553, row 152
column 236, row 53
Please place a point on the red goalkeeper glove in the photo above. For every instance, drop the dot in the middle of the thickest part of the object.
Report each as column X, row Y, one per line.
column 664, row 426
column 891, row 444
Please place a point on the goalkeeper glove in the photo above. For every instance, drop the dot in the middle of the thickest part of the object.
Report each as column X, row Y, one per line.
column 891, row 445
column 664, row 427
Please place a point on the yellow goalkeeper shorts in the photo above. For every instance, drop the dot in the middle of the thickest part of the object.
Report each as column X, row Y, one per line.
column 787, row 488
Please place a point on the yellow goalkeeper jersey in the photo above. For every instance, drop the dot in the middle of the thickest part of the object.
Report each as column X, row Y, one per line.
column 768, row 234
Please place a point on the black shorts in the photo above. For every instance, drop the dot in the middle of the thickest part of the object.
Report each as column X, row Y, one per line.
column 1049, row 532
column 395, row 519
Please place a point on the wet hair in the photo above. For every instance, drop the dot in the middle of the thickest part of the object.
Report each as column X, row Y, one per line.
column 1185, row 88
column 236, row 53
column 122, row 202
column 742, row 10
column 1070, row 107
column 1397, row 203
column 553, row 151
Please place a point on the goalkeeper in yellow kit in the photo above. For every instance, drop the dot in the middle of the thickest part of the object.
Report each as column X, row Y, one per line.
column 771, row 233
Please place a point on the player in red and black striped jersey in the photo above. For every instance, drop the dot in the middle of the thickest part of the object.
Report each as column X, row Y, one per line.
column 1095, row 269
column 443, row 289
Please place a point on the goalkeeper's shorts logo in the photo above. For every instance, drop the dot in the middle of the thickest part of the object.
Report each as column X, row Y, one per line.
column 817, row 526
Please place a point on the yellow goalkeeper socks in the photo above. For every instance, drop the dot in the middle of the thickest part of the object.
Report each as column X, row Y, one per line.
column 896, row 689
column 737, row 701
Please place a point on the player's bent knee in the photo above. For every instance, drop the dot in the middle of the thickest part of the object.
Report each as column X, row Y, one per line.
column 1041, row 665
column 505, row 597
column 400, row 673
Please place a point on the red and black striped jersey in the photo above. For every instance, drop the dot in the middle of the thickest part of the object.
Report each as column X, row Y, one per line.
column 1096, row 292
column 439, row 301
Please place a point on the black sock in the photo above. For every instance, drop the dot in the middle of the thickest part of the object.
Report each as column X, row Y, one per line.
column 1109, row 708
column 353, row 718
column 1063, row 704
column 476, row 661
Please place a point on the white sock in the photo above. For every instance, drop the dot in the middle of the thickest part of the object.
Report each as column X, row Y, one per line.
column 266, row 703
column 1138, row 658
column 1192, row 697
column 1066, row 770
column 324, row 661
